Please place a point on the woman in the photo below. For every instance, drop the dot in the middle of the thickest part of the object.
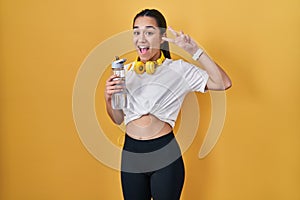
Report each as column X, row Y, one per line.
column 152, row 165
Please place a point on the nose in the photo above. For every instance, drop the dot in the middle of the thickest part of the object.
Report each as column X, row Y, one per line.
column 142, row 37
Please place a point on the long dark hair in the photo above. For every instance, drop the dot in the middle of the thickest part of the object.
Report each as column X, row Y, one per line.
column 161, row 23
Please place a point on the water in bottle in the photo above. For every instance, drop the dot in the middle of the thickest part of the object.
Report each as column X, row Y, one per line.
column 119, row 99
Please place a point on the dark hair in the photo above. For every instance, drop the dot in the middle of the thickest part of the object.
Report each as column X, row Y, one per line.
column 161, row 23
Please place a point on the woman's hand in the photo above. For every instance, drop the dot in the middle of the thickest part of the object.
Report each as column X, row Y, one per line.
column 218, row 79
column 112, row 86
column 182, row 40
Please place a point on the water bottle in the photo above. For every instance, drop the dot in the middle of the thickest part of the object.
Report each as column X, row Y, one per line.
column 119, row 99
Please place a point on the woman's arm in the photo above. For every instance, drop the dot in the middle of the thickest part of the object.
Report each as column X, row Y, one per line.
column 113, row 86
column 218, row 79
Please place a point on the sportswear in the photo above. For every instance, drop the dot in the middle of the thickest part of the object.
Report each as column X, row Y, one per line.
column 161, row 94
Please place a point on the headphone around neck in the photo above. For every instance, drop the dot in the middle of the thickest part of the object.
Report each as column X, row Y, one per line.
column 149, row 66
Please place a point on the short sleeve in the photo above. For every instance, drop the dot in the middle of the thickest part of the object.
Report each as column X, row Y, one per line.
column 195, row 77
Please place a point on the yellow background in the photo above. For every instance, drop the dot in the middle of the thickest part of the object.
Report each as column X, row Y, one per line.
column 43, row 43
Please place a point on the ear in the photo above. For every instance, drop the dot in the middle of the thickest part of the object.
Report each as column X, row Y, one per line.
column 163, row 35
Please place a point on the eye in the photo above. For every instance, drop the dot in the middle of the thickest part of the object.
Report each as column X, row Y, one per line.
column 149, row 33
column 136, row 32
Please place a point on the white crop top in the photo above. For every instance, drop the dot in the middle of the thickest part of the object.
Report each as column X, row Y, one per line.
column 162, row 93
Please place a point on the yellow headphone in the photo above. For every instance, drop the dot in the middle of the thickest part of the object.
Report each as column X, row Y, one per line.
column 149, row 66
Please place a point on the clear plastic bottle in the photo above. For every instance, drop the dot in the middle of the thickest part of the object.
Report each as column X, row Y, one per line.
column 119, row 99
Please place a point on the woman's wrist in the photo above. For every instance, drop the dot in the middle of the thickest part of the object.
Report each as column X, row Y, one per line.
column 197, row 54
column 108, row 101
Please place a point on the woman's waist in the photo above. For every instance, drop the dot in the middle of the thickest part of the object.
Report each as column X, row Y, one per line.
column 147, row 127
column 150, row 145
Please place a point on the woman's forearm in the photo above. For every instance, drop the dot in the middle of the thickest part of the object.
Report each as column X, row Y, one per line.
column 218, row 79
column 117, row 116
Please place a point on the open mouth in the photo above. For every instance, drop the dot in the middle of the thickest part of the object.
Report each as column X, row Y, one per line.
column 143, row 49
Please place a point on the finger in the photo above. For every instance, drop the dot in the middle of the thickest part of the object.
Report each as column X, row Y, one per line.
column 111, row 92
column 173, row 31
column 182, row 36
column 111, row 78
column 188, row 38
column 113, row 89
column 168, row 39
column 114, row 83
column 110, row 82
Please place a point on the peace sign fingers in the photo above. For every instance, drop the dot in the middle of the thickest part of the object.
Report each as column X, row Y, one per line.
column 182, row 40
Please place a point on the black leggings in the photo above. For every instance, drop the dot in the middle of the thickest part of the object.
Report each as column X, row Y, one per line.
column 152, row 168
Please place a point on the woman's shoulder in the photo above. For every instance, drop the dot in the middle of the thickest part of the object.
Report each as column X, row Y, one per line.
column 170, row 61
column 178, row 63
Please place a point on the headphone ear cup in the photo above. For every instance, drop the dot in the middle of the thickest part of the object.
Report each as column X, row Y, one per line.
column 150, row 67
column 139, row 67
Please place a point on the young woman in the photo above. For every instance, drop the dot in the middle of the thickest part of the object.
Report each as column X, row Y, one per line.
column 152, row 166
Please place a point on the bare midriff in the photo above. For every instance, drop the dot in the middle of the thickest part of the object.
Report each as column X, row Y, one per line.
column 147, row 127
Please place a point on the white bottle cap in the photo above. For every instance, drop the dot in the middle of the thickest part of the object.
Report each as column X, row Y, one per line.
column 118, row 63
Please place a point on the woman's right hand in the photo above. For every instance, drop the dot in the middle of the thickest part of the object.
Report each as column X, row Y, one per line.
column 112, row 86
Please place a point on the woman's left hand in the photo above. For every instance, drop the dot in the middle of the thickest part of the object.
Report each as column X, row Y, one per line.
column 182, row 40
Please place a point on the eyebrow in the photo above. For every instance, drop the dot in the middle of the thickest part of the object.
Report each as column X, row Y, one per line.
column 147, row 27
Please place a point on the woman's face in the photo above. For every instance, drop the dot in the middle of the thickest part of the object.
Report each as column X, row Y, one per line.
column 147, row 38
